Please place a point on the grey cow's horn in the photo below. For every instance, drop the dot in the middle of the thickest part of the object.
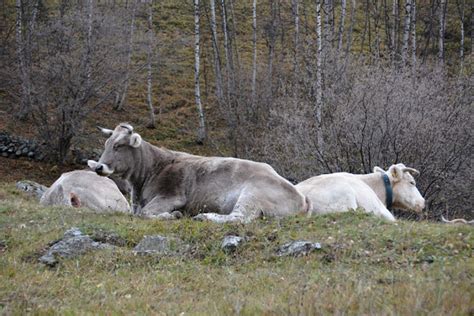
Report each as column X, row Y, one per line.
column 105, row 131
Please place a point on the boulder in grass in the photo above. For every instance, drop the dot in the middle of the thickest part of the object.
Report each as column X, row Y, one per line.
column 31, row 188
column 74, row 243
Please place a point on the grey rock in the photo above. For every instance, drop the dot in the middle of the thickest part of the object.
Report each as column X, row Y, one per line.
column 31, row 154
column 73, row 244
column 18, row 153
column 231, row 243
column 25, row 150
column 297, row 248
column 31, row 188
column 160, row 245
column 4, row 154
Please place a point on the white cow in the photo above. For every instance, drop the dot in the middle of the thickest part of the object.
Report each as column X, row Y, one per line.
column 375, row 192
column 82, row 188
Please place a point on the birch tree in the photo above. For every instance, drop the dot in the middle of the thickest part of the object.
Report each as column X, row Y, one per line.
column 461, row 44
column 227, row 52
column 149, row 94
column 319, row 74
column 341, row 24
column 413, row 34
column 406, row 31
column 295, row 6
column 215, row 48
column 441, row 30
column 24, row 29
column 254, row 42
column 120, row 102
column 396, row 23
column 201, row 134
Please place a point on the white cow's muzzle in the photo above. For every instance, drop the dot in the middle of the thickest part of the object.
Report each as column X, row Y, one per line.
column 100, row 168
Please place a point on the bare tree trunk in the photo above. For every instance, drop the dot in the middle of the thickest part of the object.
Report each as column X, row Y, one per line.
column 351, row 27
column 149, row 96
column 215, row 47
column 120, row 105
column 461, row 46
column 88, row 56
column 271, row 44
column 341, row 24
column 295, row 6
column 201, row 134
column 406, row 31
column 254, row 40
column 413, row 34
column 441, row 31
column 24, row 55
column 227, row 52
column 319, row 74
column 396, row 23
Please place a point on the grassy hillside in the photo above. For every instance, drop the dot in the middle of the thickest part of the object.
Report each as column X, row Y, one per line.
column 365, row 266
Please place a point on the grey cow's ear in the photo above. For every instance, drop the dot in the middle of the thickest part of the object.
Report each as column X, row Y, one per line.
column 378, row 169
column 107, row 132
column 135, row 140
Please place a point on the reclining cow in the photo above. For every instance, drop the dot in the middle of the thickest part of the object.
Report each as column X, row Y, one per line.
column 209, row 188
column 375, row 193
column 84, row 188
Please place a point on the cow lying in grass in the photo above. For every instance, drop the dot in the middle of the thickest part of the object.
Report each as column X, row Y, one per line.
column 83, row 188
column 210, row 188
column 375, row 193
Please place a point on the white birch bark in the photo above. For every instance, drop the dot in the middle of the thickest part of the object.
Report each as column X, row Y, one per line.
column 296, row 48
column 406, row 31
column 226, row 51
column 341, row 24
column 351, row 27
column 254, row 58
column 319, row 74
column 88, row 56
column 123, row 96
column 396, row 23
column 201, row 134
column 441, row 31
column 149, row 94
column 413, row 34
column 24, row 55
column 215, row 47
column 461, row 46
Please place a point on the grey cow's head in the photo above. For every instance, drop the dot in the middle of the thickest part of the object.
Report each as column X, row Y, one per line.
column 118, row 155
column 405, row 193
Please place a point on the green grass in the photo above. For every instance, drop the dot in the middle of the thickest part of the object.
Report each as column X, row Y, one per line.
column 366, row 266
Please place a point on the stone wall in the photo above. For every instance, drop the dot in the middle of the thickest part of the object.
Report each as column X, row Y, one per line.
column 16, row 147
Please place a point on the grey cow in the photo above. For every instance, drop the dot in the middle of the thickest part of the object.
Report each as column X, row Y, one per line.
column 209, row 188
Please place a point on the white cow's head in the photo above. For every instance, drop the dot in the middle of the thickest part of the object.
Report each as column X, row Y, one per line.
column 405, row 194
column 118, row 155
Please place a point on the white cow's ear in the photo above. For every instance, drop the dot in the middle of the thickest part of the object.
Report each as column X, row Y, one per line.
column 378, row 169
column 135, row 140
column 92, row 164
column 396, row 172
column 107, row 132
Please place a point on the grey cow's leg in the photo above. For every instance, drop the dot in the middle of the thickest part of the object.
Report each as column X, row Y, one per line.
column 246, row 209
column 163, row 208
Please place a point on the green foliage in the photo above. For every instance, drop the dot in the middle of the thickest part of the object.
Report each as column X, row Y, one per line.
column 365, row 266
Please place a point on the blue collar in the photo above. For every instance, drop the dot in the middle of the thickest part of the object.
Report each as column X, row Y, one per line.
column 388, row 191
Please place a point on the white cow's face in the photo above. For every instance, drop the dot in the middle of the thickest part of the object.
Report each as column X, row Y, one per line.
column 118, row 155
column 405, row 193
